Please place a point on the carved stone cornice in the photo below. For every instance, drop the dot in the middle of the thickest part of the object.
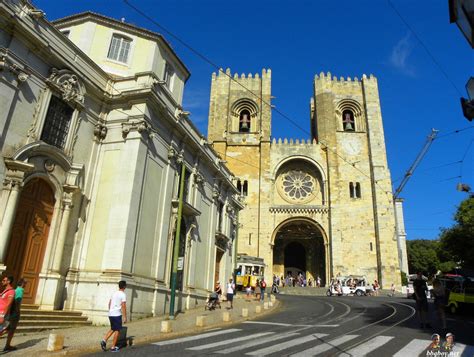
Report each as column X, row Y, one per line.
column 300, row 209
column 68, row 84
column 7, row 63
column 15, row 174
column 100, row 132
column 141, row 126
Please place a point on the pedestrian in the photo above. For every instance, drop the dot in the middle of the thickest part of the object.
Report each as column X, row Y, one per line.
column 117, row 316
column 248, row 291
column 420, row 288
column 257, row 289
column 230, row 293
column 392, row 290
column 439, row 301
column 263, row 285
column 6, row 300
column 435, row 342
column 376, row 288
column 14, row 315
column 449, row 344
column 318, row 282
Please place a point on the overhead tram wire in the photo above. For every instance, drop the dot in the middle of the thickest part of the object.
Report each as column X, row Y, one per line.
column 454, row 132
column 214, row 65
column 424, row 47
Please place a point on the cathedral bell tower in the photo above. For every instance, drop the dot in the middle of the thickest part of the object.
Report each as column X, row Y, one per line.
column 239, row 130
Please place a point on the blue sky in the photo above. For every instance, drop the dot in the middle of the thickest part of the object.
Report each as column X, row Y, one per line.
column 422, row 69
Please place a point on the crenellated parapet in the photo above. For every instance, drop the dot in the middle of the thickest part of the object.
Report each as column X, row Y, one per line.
column 327, row 77
column 266, row 73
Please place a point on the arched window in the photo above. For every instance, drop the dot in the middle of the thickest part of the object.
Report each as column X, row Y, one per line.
column 348, row 122
column 244, row 121
column 119, row 48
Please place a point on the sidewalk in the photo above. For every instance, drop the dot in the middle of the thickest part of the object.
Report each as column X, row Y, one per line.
column 82, row 340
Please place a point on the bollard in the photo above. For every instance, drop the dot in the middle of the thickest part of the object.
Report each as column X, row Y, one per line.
column 201, row 321
column 258, row 309
column 265, row 305
column 166, row 326
column 55, row 342
column 270, row 304
column 245, row 312
column 226, row 316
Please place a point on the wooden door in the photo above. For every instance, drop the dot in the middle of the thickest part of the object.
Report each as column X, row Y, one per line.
column 30, row 234
column 219, row 254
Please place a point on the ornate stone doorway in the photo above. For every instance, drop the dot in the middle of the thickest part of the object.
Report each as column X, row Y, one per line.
column 30, row 235
column 299, row 247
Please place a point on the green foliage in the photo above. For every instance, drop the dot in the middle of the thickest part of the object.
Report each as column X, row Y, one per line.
column 458, row 241
column 422, row 256
column 404, row 278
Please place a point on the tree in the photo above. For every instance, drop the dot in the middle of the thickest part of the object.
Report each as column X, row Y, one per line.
column 422, row 256
column 458, row 241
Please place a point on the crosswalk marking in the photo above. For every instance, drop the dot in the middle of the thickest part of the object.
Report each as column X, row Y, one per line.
column 260, row 341
column 229, row 341
column 326, row 346
column 463, row 350
column 367, row 347
column 196, row 337
column 284, row 345
column 414, row 348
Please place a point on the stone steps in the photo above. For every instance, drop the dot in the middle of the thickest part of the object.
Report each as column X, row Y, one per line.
column 33, row 319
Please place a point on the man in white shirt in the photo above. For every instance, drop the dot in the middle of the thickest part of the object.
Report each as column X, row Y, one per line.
column 230, row 293
column 117, row 314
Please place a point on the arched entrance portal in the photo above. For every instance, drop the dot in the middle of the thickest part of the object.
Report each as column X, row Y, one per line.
column 30, row 234
column 299, row 248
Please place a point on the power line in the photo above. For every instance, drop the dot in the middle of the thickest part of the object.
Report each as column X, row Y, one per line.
column 424, row 47
column 454, row 132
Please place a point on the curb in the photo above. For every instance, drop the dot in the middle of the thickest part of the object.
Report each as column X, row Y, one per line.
column 155, row 338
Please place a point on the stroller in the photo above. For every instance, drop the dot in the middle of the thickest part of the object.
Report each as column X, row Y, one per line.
column 212, row 302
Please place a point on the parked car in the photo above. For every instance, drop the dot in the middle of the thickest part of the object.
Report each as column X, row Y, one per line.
column 349, row 285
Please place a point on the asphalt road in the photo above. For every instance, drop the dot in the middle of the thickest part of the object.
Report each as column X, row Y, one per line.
column 308, row 325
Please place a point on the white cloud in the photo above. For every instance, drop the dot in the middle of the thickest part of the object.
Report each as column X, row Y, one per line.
column 399, row 56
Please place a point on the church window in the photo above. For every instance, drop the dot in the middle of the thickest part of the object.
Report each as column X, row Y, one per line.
column 245, row 188
column 220, row 212
column 168, row 76
column 348, row 122
column 354, row 190
column 57, row 122
column 119, row 48
column 298, row 184
column 244, row 121
column 371, row 247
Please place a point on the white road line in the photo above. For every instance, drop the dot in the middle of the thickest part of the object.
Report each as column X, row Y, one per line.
column 273, row 323
column 414, row 348
column 326, row 346
column 260, row 341
column 461, row 350
column 196, row 337
column 229, row 341
column 325, row 326
column 367, row 347
column 284, row 345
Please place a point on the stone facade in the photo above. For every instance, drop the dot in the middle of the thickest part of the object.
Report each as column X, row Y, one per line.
column 92, row 149
column 322, row 206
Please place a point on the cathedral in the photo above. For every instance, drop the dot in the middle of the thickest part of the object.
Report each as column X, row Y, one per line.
column 321, row 206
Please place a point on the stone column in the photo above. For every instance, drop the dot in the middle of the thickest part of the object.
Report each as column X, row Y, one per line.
column 12, row 184
column 66, row 211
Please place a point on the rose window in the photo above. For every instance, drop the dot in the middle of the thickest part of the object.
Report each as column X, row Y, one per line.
column 297, row 185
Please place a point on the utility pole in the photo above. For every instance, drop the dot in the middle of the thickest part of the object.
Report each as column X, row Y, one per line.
column 174, row 270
